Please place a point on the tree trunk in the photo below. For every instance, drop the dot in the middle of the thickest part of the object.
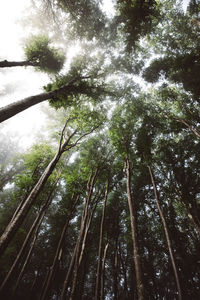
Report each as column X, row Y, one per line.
column 99, row 266
column 28, row 237
column 116, row 265
column 15, row 223
column 124, row 272
column 81, row 248
column 28, row 255
column 58, row 251
column 103, row 271
column 90, row 186
column 8, row 64
column 138, row 270
column 192, row 217
column 191, row 127
column 18, row 106
column 166, row 234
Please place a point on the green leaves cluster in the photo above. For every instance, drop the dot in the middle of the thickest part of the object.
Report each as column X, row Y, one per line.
column 40, row 53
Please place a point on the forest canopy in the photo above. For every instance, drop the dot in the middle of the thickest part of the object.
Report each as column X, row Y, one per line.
column 105, row 203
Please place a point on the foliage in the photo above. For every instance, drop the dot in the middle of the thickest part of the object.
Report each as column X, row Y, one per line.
column 45, row 57
column 111, row 119
column 138, row 18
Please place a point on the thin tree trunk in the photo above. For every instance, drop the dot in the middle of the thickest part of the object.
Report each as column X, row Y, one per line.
column 99, row 266
column 28, row 255
column 124, row 272
column 138, row 270
column 103, row 271
column 115, row 283
column 90, row 186
column 19, row 106
column 8, row 64
column 194, row 130
column 22, row 213
column 81, row 248
column 166, row 234
column 28, row 237
column 196, row 223
column 57, row 254
column 191, row 217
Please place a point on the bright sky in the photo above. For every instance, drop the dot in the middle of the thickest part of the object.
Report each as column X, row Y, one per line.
column 24, row 82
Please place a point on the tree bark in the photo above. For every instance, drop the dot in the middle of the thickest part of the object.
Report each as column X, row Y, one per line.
column 166, row 234
column 38, row 219
column 138, row 269
column 8, row 64
column 19, row 106
column 103, row 271
column 28, row 257
column 22, row 213
column 81, row 248
column 58, row 251
column 99, row 265
column 191, row 127
column 90, row 186
column 116, row 265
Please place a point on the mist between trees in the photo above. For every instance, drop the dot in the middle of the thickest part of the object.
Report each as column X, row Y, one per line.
column 107, row 204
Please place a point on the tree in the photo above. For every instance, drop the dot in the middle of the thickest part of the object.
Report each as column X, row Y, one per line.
column 39, row 54
column 84, row 81
column 64, row 145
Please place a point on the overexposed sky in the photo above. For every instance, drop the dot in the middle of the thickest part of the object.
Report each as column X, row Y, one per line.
column 18, row 83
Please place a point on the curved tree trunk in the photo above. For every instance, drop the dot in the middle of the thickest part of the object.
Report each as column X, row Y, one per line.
column 19, row 106
column 136, row 254
column 166, row 234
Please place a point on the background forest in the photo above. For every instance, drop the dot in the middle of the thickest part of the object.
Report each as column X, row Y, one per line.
column 105, row 203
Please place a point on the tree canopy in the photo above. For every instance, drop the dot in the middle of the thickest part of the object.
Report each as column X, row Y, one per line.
column 106, row 205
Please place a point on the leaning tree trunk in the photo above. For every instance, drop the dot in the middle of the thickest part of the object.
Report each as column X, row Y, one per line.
column 28, row 257
column 99, row 265
column 136, row 254
column 166, row 234
column 19, row 106
column 192, row 128
column 38, row 219
column 15, row 223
